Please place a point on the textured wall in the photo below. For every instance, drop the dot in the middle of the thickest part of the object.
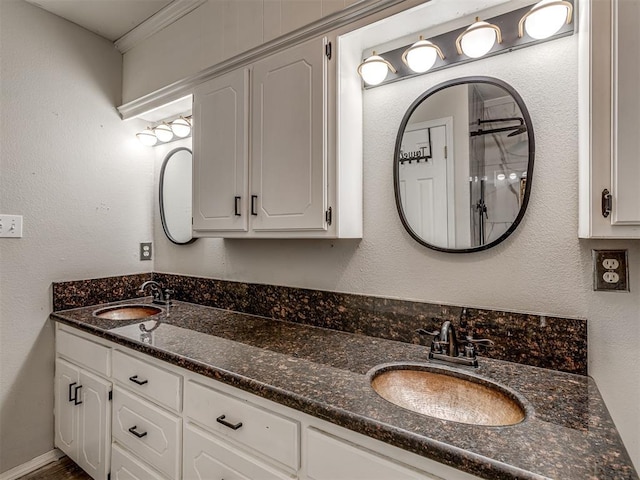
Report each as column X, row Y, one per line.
column 84, row 185
column 541, row 268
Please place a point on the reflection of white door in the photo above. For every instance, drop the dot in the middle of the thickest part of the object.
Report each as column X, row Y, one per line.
column 425, row 187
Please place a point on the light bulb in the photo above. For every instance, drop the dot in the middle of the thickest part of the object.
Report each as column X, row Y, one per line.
column 478, row 39
column 546, row 18
column 513, row 176
column 163, row 132
column 147, row 137
column 375, row 69
column 181, row 127
column 501, row 176
column 421, row 56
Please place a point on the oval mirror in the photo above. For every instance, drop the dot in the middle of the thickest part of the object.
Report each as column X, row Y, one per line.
column 175, row 196
column 463, row 165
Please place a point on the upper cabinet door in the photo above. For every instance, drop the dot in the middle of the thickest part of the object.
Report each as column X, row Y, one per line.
column 289, row 140
column 220, row 154
column 609, row 119
column 626, row 112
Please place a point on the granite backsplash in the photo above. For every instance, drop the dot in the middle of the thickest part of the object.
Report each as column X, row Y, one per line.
column 541, row 341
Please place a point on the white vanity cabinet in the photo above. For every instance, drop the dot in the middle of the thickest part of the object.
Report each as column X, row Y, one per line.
column 82, row 404
column 609, row 119
column 168, row 423
column 264, row 151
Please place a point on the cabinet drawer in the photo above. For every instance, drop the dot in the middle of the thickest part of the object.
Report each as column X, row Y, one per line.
column 159, row 385
column 125, row 466
column 330, row 458
column 270, row 434
column 207, row 457
column 84, row 352
column 148, row 431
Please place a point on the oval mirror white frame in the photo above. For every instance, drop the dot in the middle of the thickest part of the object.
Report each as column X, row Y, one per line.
column 521, row 126
column 175, row 196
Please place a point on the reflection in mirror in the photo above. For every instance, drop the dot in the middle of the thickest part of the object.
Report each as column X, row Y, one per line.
column 463, row 165
column 175, row 196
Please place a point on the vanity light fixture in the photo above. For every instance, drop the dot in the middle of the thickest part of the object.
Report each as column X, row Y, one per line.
column 478, row 39
column 374, row 69
column 163, row 132
column 166, row 132
column 422, row 55
column 181, row 127
column 147, row 137
column 545, row 19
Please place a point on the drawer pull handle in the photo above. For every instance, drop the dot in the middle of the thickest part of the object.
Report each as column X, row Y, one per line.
column 221, row 419
column 137, row 434
column 254, row 198
column 75, row 398
column 134, row 379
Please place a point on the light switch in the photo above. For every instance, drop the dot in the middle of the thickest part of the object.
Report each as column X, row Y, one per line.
column 11, row 226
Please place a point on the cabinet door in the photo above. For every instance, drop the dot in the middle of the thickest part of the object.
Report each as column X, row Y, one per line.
column 66, row 418
column 289, row 128
column 220, row 153
column 94, row 424
column 626, row 113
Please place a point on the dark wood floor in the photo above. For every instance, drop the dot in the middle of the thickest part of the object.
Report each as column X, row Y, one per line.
column 63, row 469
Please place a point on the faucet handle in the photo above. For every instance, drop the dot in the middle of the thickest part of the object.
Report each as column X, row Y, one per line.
column 480, row 342
column 422, row 331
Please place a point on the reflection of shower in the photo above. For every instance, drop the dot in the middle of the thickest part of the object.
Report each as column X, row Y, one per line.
column 514, row 129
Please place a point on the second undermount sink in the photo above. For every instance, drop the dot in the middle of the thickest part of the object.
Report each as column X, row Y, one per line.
column 127, row 312
column 464, row 399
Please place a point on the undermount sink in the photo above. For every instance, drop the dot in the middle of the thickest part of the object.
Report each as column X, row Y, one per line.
column 127, row 312
column 437, row 393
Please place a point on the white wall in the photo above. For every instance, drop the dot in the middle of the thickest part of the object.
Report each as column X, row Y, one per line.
column 84, row 185
column 541, row 268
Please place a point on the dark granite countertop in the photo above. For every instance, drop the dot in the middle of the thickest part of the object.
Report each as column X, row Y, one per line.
column 568, row 433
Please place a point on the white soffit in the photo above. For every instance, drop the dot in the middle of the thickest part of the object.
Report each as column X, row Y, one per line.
column 110, row 19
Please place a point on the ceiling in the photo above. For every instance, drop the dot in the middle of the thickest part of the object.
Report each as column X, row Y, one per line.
column 110, row 19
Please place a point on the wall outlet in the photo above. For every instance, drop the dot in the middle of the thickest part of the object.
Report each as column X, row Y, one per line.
column 145, row 251
column 610, row 271
column 11, row 226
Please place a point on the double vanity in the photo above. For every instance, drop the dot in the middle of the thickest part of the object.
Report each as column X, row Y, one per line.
column 202, row 392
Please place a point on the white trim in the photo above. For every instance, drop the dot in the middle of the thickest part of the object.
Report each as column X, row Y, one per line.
column 32, row 465
column 163, row 18
column 357, row 11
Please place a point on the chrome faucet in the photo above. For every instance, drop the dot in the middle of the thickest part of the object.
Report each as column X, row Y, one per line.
column 160, row 296
column 446, row 347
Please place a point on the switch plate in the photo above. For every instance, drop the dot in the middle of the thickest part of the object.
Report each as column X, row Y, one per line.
column 11, row 226
column 610, row 271
column 145, row 251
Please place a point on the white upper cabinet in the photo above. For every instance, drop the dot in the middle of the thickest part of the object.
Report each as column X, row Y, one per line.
column 264, row 151
column 610, row 119
column 220, row 156
column 289, row 148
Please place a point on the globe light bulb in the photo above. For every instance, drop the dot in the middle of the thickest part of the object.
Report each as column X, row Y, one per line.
column 546, row 18
column 181, row 127
column 477, row 40
column 163, row 132
column 375, row 69
column 421, row 56
column 147, row 137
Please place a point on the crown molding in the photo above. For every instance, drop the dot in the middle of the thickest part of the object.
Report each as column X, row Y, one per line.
column 176, row 90
column 165, row 17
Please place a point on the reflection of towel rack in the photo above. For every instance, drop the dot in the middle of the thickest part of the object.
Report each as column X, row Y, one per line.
column 418, row 154
column 516, row 129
